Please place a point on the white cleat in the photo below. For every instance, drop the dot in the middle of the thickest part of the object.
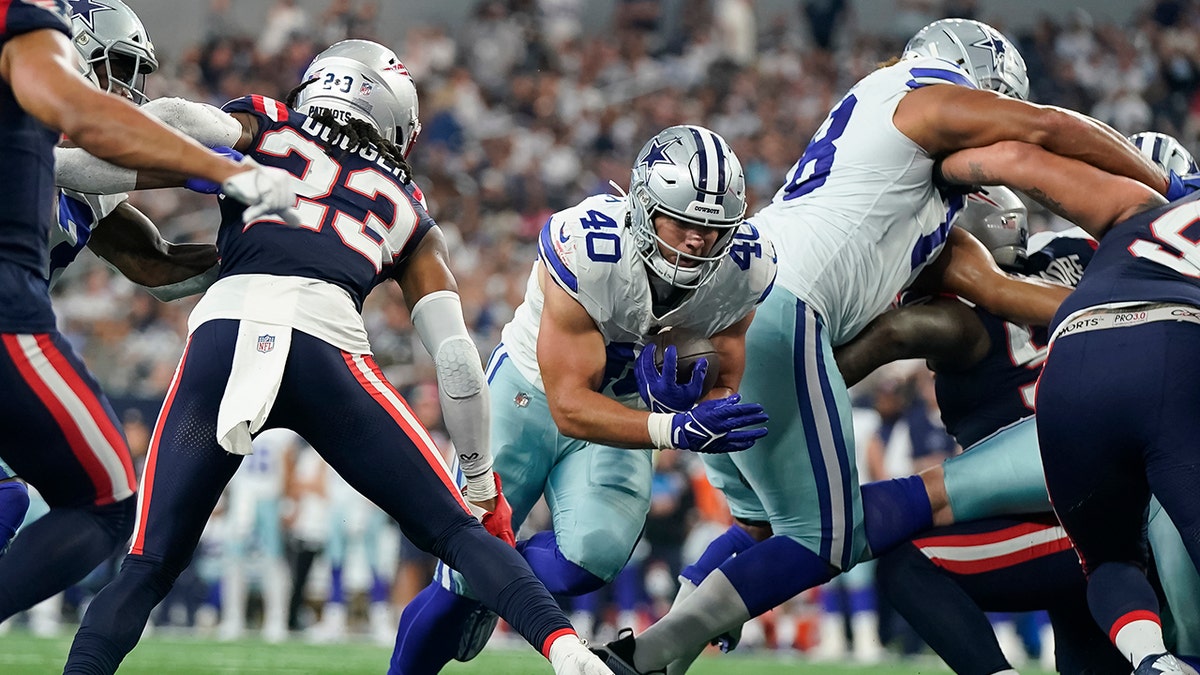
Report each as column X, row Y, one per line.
column 570, row 656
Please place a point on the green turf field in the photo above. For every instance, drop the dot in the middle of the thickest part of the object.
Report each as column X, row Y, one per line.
column 21, row 654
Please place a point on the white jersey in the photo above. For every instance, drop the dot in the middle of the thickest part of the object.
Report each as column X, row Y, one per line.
column 76, row 215
column 590, row 252
column 859, row 216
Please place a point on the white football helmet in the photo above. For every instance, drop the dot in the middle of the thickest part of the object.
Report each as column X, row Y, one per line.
column 109, row 32
column 691, row 174
column 364, row 80
column 991, row 59
column 1165, row 151
column 998, row 218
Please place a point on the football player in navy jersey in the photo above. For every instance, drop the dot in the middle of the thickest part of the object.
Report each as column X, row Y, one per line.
column 1116, row 397
column 58, row 431
column 110, row 39
column 278, row 341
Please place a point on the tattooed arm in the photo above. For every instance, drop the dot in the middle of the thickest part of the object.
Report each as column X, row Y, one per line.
column 1089, row 197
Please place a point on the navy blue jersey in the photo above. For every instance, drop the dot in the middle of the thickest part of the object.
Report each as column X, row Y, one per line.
column 26, row 184
column 359, row 220
column 1000, row 388
column 1153, row 256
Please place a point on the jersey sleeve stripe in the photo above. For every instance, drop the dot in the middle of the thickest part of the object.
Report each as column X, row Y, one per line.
column 259, row 105
column 923, row 77
column 767, row 290
column 558, row 269
column 5, row 5
column 281, row 110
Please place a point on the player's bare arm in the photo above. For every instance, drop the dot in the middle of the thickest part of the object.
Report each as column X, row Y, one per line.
column 731, row 350
column 944, row 331
column 1054, row 182
column 945, row 118
column 106, row 125
column 127, row 239
column 965, row 268
column 571, row 358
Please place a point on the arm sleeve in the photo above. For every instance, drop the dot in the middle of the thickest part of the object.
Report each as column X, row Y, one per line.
column 462, row 389
column 207, row 124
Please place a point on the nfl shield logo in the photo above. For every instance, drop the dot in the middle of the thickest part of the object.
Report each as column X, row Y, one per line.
column 365, row 89
column 266, row 343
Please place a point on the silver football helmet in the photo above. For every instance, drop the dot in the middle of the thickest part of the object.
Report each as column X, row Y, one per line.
column 998, row 218
column 690, row 174
column 991, row 59
column 110, row 33
column 1165, row 151
column 364, row 80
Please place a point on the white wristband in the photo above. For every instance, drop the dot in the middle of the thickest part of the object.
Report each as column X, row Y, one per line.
column 659, row 426
column 481, row 488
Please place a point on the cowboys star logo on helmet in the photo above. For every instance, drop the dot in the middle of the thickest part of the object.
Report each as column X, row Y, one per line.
column 657, row 153
column 84, row 9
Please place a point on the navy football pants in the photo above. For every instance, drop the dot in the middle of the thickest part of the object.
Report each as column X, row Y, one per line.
column 340, row 404
column 1119, row 418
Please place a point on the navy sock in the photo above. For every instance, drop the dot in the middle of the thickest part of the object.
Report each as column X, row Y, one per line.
column 58, row 549
column 114, row 621
column 14, row 502
column 1116, row 591
column 773, row 571
column 549, row 564
column 940, row 611
column 895, row 510
column 430, row 631
column 503, row 582
column 731, row 542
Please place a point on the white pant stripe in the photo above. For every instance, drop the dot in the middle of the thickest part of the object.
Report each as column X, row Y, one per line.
column 106, row 455
column 825, row 431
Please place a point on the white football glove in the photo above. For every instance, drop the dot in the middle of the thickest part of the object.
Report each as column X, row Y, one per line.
column 265, row 191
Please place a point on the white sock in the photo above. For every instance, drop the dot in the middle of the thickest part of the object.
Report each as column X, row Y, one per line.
column 680, row 665
column 714, row 608
column 1139, row 639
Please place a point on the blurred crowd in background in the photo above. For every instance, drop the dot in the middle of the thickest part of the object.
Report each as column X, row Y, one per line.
column 525, row 111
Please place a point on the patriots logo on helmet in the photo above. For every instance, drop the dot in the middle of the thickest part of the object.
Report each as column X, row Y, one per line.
column 397, row 67
column 657, row 154
column 84, row 9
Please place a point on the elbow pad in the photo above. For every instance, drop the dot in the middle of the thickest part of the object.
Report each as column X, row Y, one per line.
column 462, row 388
column 208, row 125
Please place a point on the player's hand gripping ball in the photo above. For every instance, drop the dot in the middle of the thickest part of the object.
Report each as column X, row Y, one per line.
column 676, row 369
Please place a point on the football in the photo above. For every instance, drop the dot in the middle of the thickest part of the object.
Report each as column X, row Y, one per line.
column 689, row 348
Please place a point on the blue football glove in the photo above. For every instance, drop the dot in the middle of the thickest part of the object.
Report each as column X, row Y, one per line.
column 718, row 426
column 1182, row 186
column 207, row 186
column 660, row 391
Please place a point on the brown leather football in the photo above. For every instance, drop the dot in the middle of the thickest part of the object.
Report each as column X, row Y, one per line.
column 690, row 348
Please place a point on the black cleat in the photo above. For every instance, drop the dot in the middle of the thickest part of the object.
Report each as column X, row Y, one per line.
column 618, row 655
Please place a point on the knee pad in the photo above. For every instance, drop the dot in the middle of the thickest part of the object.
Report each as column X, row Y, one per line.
column 602, row 552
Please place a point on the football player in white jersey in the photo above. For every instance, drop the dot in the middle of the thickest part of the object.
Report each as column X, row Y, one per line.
column 567, row 422
column 856, row 221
